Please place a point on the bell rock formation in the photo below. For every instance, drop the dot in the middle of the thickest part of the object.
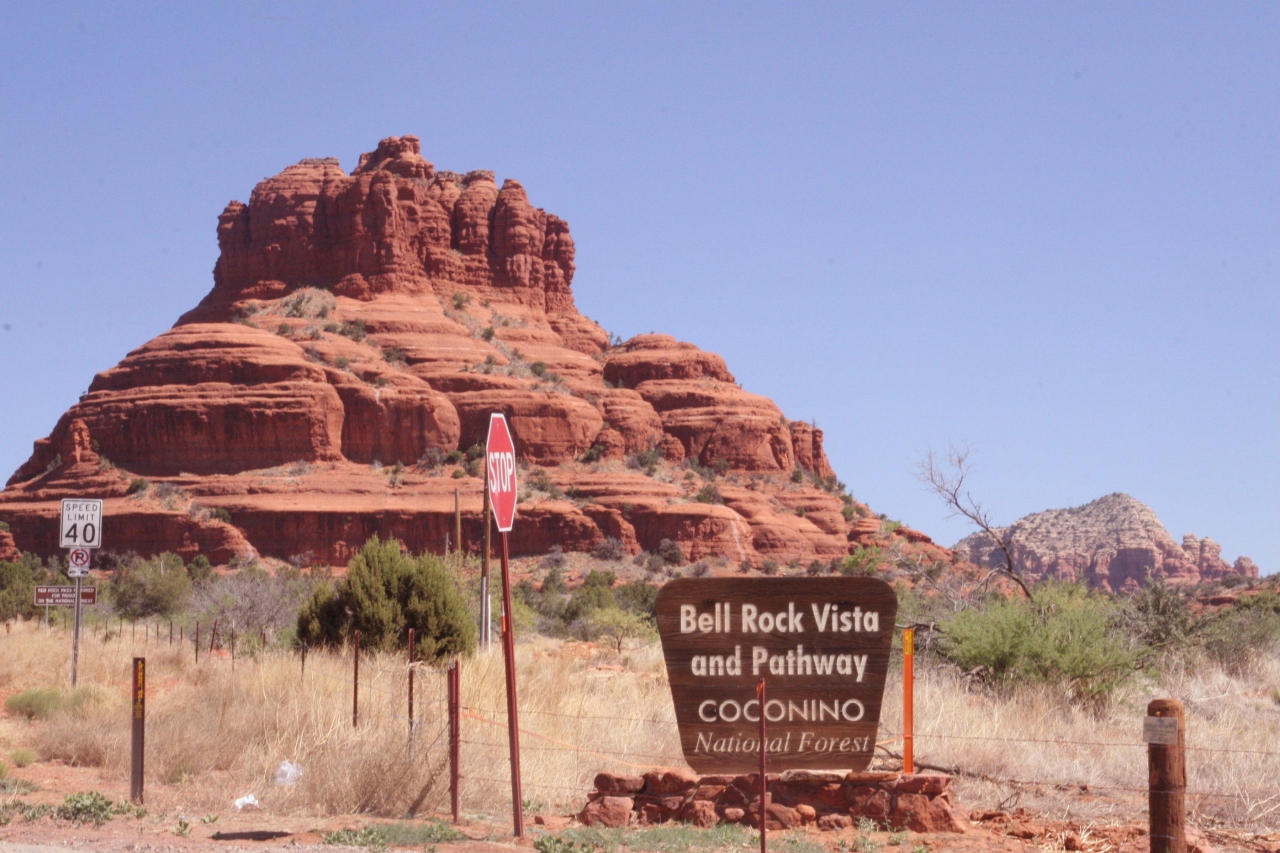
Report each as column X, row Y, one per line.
column 337, row 381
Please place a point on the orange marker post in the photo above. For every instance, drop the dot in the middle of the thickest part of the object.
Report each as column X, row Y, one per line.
column 908, row 699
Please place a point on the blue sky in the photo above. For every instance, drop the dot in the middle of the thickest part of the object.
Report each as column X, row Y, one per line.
column 1049, row 231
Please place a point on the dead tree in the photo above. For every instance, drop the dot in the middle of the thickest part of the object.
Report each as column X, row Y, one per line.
column 946, row 480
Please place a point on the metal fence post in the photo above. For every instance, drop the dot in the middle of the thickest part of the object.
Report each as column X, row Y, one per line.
column 455, row 737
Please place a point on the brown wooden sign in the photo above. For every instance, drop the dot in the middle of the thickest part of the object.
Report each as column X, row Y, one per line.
column 822, row 644
column 65, row 596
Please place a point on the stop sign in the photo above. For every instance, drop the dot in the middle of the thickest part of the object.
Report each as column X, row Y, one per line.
column 500, row 472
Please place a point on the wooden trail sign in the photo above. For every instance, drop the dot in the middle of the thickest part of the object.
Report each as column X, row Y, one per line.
column 822, row 644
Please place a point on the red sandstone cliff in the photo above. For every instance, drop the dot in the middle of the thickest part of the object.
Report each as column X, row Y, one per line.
column 363, row 326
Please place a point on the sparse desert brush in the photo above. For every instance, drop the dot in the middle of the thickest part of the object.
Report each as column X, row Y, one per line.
column 220, row 729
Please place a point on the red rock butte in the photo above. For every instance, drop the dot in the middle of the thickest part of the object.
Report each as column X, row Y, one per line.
column 361, row 328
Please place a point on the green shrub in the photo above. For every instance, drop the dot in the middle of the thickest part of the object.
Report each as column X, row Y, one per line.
column 670, row 553
column 394, row 355
column 373, row 837
column 609, row 549
column 87, row 807
column 638, row 597
column 1240, row 637
column 138, row 485
column 539, row 368
column 159, row 586
column 709, row 494
column 646, row 460
column 384, row 594
column 1064, row 636
column 4, row 527
column 418, row 834
column 23, row 757
column 488, row 333
column 200, row 570
column 36, row 704
column 18, row 586
column 1158, row 616
column 862, row 561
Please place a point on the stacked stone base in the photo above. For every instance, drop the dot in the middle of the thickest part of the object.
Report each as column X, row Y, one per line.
column 827, row 800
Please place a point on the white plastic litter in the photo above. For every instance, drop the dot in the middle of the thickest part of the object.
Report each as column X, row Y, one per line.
column 247, row 800
column 288, row 773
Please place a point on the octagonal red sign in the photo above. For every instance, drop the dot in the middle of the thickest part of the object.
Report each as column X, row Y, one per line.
column 500, row 472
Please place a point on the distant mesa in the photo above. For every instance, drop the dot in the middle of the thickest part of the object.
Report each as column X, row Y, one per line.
column 1111, row 543
column 336, row 380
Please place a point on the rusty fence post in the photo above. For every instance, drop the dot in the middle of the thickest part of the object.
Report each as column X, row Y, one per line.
column 355, row 681
column 908, row 700
column 455, row 737
column 213, row 637
column 139, row 728
column 1164, row 730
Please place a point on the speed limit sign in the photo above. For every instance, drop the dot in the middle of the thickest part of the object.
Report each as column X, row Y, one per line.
column 81, row 523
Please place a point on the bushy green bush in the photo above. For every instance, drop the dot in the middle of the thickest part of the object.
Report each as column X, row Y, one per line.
column 159, row 586
column 384, row 594
column 18, row 581
column 1238, row 637
column 88, row 807
column 40, row 703
column 1064, row 636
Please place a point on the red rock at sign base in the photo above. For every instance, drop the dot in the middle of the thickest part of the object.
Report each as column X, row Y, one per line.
column 607, row 811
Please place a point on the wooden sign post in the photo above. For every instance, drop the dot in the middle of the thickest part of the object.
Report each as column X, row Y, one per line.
column 822, row 643
column 139, row 733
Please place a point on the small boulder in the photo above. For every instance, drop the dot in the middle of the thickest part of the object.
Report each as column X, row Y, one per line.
column 610, row 812
column 700, row 813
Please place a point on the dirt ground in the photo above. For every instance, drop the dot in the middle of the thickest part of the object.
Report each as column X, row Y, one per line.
column 1016, row 831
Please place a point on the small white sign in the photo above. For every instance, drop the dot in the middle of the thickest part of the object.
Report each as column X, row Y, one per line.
column 1163, row 730
column 78, row 560
column 81, row 523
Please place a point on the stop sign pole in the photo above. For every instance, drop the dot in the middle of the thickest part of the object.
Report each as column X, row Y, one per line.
column 500, row 482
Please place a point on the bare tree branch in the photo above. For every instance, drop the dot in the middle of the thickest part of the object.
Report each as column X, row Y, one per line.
column 946, row 480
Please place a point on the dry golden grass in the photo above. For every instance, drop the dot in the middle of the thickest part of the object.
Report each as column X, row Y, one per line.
column 1037, row 736
column 220, row 730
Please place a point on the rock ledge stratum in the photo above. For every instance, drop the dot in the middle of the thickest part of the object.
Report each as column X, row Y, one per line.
column 360, row 330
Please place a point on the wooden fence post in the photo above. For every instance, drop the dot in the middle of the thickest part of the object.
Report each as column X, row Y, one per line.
column 1167, row 767
column 355, row 683
column 139, row 729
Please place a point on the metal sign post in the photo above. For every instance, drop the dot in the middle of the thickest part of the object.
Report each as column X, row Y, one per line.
column 81, row 532
column 500, row 479
column 486, row 616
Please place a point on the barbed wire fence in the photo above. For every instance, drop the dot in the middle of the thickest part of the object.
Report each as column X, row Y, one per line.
column 561, row 756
